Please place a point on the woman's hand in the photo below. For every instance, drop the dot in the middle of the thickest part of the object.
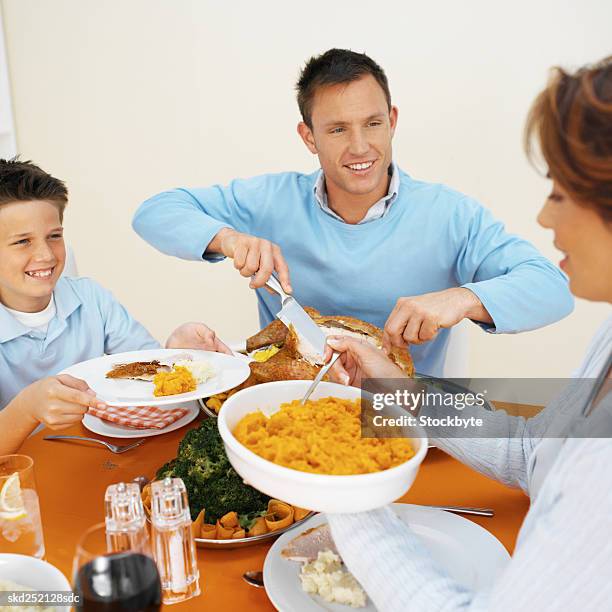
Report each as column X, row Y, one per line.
column 57, row 401
column 359, row 360
column 196, row 336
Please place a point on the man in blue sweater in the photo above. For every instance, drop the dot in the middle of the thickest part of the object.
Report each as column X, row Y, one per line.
column 360, row 237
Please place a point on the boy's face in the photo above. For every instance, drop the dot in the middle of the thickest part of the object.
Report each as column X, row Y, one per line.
column 32, row 254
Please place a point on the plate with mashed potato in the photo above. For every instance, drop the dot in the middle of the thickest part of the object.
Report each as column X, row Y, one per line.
column 303, row 571
column 160, row 377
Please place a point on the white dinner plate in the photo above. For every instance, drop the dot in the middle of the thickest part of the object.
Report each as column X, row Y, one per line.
column 34, row 574
column 229, row 372
column 106, row 428
column 468, row 552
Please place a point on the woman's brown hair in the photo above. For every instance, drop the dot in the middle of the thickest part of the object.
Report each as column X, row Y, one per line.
column 572, row 121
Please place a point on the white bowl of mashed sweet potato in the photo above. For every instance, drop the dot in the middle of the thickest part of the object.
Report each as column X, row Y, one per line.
column 316, row 457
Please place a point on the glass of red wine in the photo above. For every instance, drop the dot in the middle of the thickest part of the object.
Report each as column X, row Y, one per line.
column 107, row 581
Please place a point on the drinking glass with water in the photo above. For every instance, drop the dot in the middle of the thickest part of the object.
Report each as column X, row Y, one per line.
column 20, row 525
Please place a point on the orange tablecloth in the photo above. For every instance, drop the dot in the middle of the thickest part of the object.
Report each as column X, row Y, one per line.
column 72, row 478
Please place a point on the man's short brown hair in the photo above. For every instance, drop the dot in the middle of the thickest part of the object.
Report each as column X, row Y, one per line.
column 23, row 181
column 331, row 68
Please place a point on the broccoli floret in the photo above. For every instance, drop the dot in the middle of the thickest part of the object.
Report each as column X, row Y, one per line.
column 210, row 480
column 166, row 470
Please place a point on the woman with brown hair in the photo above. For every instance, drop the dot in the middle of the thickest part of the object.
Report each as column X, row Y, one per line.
column 563, row 556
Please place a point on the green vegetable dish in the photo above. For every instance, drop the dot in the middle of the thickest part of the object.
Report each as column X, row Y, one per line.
column 210, row 480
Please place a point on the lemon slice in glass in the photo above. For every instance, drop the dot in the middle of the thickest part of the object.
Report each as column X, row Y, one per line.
column 11, row 500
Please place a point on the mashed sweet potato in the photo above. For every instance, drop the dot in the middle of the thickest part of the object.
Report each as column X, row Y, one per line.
column 178, row 380
column 323, row 437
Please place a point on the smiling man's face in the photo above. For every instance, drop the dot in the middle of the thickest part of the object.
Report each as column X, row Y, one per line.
column 352, row 130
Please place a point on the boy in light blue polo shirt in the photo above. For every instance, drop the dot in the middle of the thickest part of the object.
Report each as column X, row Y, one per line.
column 48, row 323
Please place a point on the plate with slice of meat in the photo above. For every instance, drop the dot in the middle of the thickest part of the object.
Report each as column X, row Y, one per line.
column 466, row 551
column 160, row 377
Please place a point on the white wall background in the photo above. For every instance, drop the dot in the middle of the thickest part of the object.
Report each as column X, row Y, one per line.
column 123, row 99
column 7, row 128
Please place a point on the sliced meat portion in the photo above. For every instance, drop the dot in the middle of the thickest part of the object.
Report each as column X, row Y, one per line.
column 274, row 333
column 350, row 324
column 308, row 544
column 332, row 326
column 283, row 366
column 296, row 361
column 296, row 348
column 362, row 330
column 271, row 334
column 138, row 370
column 401, row 358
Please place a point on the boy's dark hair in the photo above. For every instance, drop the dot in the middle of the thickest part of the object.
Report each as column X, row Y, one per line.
column 331, row 68
column 23, row 181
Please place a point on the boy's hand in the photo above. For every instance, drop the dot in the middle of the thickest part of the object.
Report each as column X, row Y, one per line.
column 58, row 401
column 196, row 336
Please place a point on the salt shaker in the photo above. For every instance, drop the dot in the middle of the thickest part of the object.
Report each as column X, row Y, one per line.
column 126, row 528
column 173, row 543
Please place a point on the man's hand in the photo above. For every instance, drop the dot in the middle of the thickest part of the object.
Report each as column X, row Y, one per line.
column 58, row 401
column 196, row 336
column 252, row 256
column 415, row 320
column 359, row 360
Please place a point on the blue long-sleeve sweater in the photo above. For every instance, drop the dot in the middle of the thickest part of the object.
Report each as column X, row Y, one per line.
column 431, row 238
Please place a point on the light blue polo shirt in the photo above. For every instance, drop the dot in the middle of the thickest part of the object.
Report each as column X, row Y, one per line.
column 89, row 322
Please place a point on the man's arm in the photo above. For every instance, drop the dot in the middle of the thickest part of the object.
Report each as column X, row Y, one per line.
column 519, row 287
column 183, row 222
column 213, row 223
column 505, row 284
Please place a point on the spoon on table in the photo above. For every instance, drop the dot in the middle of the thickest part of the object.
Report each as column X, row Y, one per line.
column 253, row 578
